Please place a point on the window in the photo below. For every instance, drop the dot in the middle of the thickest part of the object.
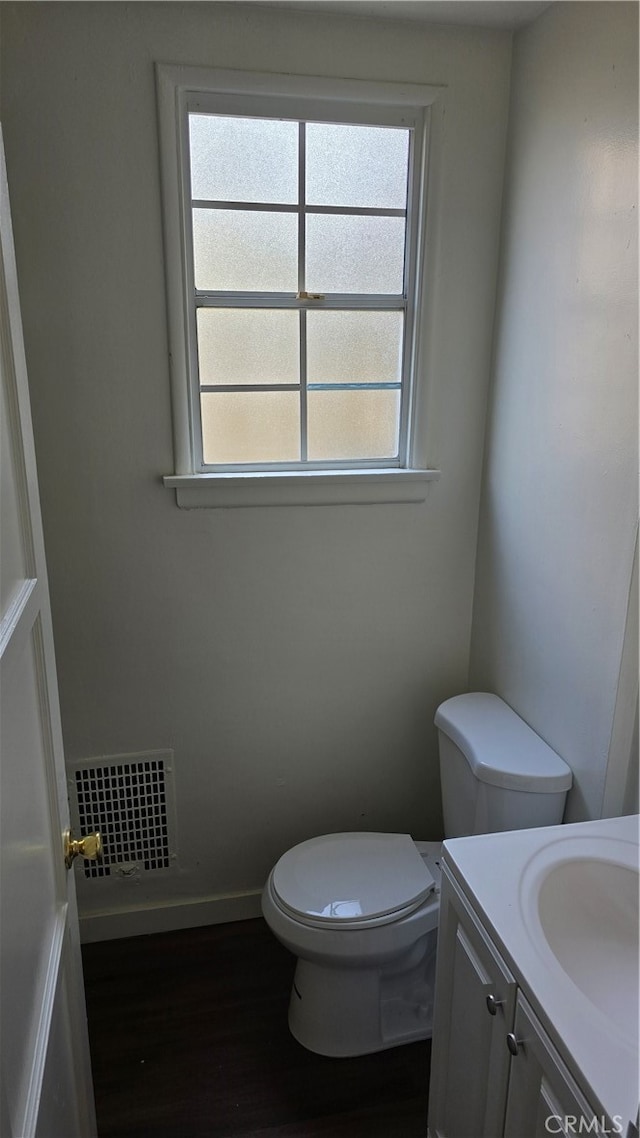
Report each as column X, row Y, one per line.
column 294, row 212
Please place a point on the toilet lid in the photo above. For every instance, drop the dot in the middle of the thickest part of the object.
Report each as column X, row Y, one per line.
column 349, row 878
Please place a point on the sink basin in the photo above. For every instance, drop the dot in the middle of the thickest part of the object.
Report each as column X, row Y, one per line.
column 589, row 915
column 582, row 901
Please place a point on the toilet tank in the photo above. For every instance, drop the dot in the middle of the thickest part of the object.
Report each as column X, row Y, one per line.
column 496, row 772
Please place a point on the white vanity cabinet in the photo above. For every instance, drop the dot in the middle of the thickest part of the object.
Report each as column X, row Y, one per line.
column 542, row 1096
column 474, row 1011
column 494, row 1071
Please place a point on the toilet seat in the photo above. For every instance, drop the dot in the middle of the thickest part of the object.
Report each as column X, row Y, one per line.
column 351, row 880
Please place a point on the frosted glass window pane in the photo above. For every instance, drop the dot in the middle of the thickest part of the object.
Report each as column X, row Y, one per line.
column 355, row 254
column 248, row 345
column 256, row 426
column 243, row 160
column 245, row 251
column 362, row 166
column 354, row 347
column 353, row 424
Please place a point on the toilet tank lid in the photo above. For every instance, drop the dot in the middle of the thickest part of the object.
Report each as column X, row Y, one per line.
column 499, row 746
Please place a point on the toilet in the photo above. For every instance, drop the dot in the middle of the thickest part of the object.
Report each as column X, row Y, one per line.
column 360, row 910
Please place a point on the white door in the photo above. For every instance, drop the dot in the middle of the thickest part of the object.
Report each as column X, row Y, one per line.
column 45, row 1073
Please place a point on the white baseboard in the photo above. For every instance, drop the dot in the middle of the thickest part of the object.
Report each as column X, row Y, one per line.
column 189, row 914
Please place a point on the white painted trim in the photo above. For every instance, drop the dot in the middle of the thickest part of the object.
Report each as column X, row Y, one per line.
column 14, row 369
column 416, row 206
column 18, row 389
column 190, row 914
column 207, row 79
column 175, row 243
column 31, row 1107
column 622, row 750
column 423, row 441
column 302, row 488
column 19, row 616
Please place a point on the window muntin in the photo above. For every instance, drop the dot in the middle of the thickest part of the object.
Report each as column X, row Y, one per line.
column 258, row 254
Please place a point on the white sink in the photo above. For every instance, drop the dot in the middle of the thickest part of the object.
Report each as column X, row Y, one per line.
column 580, row 900
column 588, row 910
column 562, row 902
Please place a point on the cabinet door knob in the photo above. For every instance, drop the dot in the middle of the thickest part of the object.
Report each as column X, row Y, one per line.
column 493, row 1005
column 513, row 1044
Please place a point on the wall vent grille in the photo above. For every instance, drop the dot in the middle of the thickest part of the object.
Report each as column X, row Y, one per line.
column 126, row 800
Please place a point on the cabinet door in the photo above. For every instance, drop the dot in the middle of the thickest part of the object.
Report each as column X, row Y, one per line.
column 470, row 1061
column 543, row 1098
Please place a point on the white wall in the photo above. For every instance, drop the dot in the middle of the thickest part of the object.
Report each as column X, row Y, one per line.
column 293, row 658
column 559, row 508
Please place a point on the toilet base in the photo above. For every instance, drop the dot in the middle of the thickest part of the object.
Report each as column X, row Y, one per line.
column 343, row 1012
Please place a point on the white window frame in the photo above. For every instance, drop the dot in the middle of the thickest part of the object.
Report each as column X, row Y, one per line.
column 182, row 90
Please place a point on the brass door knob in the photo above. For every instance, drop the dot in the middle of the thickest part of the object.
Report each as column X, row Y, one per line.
column 90, row 847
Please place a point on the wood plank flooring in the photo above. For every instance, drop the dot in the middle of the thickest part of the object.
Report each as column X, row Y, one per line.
column 189, row 1039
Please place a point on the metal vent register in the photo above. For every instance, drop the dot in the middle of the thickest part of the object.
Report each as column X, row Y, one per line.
column 129, row 799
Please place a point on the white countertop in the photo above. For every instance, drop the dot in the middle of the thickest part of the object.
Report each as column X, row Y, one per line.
column 498, row 873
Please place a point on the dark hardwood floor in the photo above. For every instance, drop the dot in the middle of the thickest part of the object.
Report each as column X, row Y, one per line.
column 189, row 1039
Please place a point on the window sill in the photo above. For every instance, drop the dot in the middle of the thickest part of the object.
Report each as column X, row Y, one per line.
column 308, row 488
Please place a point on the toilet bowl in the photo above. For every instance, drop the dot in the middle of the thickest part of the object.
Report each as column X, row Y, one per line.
column 360, row 910
column 362, row 921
